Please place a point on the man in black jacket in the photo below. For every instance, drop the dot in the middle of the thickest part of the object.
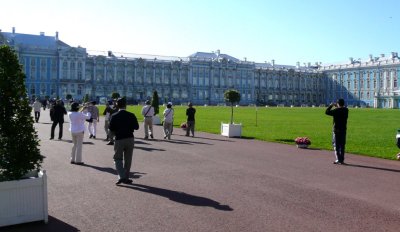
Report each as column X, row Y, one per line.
column 57, row 116
column 340, row 115
column 123, row 124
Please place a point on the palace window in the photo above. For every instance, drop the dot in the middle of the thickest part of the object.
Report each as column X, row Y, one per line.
column 361, row 83
column 32, row 89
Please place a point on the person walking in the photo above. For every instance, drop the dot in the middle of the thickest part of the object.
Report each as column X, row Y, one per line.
column 57, row 116
column 37, row 105
column 340, row 115
column 77, row 120
column 107, row 115
column 123, row 124
column 190, row 112
column 94, row 112
column 44, row 104
column 148, row 112
column 168, row 120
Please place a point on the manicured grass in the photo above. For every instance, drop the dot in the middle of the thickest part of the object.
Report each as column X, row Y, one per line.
column 370, row 132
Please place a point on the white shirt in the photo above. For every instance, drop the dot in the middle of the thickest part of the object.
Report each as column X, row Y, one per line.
column 150, row 112
column 77, row 121
column 168, row 115
column 36, row 106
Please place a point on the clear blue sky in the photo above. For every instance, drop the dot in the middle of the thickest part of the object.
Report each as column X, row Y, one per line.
column 327, row 31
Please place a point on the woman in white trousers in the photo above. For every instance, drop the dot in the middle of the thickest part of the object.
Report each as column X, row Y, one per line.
column 77, row 127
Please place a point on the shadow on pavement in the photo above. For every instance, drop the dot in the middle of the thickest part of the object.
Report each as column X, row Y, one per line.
column 370, row 167
column 222, row 140
column 178, row 141
column 148, row 148
column 53, row 225
column 134, row 175
column 179, row 197
column 285, row 140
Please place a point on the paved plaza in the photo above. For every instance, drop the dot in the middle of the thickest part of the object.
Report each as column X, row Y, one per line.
column 214, row 183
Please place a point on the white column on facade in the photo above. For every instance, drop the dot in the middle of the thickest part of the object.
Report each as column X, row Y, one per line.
column 391, row 79
column 68, row 70
column 76, row 69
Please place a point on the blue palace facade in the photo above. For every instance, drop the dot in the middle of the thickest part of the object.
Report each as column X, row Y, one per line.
column 55, row 69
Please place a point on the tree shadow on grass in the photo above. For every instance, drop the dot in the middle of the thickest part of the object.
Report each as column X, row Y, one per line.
column 53, row 225
column 179, row 197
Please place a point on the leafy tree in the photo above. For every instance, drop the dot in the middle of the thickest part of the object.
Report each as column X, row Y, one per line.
column 86, row 98
column 115, row 95
column 155, row 102
column 68, row 97
column 232, row 96
column 19, row 152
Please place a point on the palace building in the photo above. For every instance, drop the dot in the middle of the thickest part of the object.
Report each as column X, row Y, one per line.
column 55, row 69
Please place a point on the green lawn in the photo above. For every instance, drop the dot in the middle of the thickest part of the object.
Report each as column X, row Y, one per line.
column 370, row 132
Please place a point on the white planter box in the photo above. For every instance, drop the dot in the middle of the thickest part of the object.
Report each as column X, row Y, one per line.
column 231, row 130
column 156, row 120
column 24, row 200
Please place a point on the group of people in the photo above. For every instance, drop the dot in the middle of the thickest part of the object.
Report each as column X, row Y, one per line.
column 119, row 126
column 168, row 114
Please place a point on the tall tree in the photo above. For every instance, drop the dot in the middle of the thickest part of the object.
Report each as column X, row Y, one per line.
column 86, row 98
column 155, row 102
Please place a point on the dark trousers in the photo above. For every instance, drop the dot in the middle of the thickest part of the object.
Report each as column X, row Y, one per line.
column 37, row 116
column 190, row 128
column 60, row 127
column 123, row 149
column 339, row 143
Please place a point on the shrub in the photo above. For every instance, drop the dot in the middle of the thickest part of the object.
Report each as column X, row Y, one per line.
column 19, row 152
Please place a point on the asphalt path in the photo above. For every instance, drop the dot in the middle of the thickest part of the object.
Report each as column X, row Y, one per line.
column 213, row 183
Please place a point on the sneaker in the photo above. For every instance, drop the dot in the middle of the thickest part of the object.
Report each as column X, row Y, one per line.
column 110, row 143
column 151, row 136
column 146, row 138
column 91, row 136
column 94, row 136
column 336, row 162
column 51, row 138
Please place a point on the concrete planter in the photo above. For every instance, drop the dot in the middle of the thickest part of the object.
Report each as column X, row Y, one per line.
column 231, row 130
column 24, row 200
